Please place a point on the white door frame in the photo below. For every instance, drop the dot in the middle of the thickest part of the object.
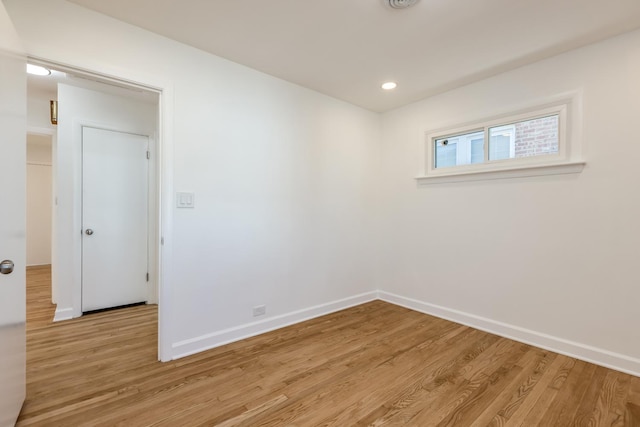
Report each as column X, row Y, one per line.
column 163, row 163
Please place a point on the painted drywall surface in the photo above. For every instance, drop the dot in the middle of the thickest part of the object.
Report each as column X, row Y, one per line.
column 38, row 110
column 554, row 254
column 39, row 149
column 79, row 107
column 38, row 214
column 9, row 39
column 284, row 202
column 39, row 189
column 283, row 177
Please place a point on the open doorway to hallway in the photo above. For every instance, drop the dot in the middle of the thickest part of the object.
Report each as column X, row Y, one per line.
column 121, row 112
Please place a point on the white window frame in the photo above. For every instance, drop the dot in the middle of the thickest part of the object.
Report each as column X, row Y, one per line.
column 566, row 160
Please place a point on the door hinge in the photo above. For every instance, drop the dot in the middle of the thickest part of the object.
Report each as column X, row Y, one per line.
column 147, row 277
column 148, row 155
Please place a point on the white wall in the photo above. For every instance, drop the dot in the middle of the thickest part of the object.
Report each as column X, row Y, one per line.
column 79, row 107
column 284, row 178
column 38, row 112
column 39, row 149
column 39, row 189
column 554, row 255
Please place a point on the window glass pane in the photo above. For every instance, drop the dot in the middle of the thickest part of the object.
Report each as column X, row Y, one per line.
column 459, row 150
column 500, row 146
column 528, row 138
column 446, row 154
column 477, row 150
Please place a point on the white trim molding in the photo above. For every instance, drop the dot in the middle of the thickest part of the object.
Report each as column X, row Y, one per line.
column 587, row 353
column 514, row 172
column 227, row 336
column 63, row 314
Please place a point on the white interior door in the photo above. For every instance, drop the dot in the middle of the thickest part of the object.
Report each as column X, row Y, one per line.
column 114, row 218
column 13, row 133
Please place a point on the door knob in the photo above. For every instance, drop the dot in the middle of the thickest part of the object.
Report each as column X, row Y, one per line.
column 89, row 232
column 6, row 266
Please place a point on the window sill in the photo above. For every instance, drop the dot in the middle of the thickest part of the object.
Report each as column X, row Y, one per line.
column 516, row 172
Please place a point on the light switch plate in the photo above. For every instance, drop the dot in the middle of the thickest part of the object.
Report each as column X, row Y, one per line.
column 185, row 200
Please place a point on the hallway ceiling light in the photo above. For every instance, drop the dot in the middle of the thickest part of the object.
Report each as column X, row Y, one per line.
column 37, row 70
column 389, row 85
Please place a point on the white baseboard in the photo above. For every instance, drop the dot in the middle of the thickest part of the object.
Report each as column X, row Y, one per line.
column 216, row 339
column 63, row 314
column 587, row 353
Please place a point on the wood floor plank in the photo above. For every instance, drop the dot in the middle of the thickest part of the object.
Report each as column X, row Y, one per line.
column 562, row 410
column 534, row 391
column 583, row 416
column 543, row 402
column 438, row 377
column 512, row 391
column 487, row 390
column 617, row 408
column 523, row 391
column 372, row 365
column 391, row 368
column 632, row 412
column 424, row 376
column 474, row 380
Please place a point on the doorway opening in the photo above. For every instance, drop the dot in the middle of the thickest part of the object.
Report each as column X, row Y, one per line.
column 91, row 101
column 39, row 197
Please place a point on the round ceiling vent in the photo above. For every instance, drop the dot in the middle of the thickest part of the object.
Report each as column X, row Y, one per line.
column 400, row 4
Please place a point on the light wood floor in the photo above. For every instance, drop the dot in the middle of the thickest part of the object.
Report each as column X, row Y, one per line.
column 372, row 365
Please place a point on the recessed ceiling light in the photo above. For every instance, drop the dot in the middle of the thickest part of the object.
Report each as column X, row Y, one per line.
column 389, row 85
column 37, row 70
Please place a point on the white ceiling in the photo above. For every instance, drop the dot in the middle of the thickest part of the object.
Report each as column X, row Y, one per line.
column 347, row 48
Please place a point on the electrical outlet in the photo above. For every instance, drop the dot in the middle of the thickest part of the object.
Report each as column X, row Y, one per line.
column 259, row 310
